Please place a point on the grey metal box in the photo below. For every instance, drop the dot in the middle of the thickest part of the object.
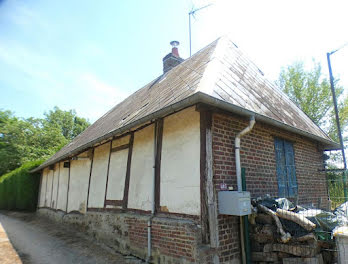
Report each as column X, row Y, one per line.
column 234, row 203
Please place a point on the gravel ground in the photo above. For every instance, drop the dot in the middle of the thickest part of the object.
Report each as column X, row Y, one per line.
column 39, row 241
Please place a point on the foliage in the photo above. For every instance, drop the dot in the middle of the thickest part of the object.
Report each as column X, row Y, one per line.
column 312, row 93
column 8, row 150
column 19, row 188
column 23, row 140
column 70, row 124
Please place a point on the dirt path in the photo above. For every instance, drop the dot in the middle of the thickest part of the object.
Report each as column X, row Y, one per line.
column 39, row 241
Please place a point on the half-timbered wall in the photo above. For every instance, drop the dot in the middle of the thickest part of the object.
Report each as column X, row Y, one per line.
column 49, row 185
column 98, row 176
column 142, row 170
column 43, row 188
column 55, row 184
column 63, row 187
column 117, row 170
column 180, row 167
column 78, row 185
column 121, row 174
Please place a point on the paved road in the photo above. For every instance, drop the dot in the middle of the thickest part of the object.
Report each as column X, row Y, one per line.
column 39, row 241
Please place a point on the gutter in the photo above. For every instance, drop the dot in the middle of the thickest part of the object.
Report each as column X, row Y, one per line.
column 198, row 97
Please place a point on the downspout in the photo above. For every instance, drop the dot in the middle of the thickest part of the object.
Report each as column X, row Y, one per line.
column 239, row 180
column 149, row 222
column 237, row 151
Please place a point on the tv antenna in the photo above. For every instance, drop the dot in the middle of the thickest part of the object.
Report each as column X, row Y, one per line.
column 192, row 13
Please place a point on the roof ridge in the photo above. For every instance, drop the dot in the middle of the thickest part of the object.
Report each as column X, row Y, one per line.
column 210, row 75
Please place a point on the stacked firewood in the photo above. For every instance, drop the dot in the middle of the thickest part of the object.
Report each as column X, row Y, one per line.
column 272, row 241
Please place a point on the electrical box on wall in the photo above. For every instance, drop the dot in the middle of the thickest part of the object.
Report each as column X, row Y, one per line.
column 234, row 203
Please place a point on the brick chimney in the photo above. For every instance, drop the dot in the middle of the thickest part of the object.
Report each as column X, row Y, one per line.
column 172, row 59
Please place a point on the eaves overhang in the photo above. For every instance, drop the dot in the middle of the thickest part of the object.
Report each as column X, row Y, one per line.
column 196, row 98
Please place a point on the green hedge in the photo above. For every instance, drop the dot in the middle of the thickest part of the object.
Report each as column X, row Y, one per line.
column 19, row 188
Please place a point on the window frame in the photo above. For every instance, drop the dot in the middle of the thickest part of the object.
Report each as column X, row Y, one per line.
column 285, row 168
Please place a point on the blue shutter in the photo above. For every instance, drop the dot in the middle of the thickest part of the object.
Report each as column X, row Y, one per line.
column 290, row 168
column 281, row 169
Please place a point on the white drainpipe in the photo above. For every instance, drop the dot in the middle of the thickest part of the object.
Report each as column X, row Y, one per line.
column 239, row 176
column 237, row 150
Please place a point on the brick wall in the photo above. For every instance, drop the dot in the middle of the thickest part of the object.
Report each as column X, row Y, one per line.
column 172, row 239
column 258, row 158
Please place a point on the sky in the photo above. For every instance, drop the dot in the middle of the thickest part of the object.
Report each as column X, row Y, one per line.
column 90, row 55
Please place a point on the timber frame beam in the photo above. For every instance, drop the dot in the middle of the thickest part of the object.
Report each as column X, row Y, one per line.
column 127, row 179
column 158, row 156
column 209, row 215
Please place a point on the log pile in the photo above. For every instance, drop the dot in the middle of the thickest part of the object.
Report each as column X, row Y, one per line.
column 272, row 242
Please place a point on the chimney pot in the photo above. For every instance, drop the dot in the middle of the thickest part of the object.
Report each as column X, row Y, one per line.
column 175, row 52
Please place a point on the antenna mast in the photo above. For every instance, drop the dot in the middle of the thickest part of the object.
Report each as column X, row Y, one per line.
column 192, row 13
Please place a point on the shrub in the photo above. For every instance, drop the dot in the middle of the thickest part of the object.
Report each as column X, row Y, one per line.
column 19, row 188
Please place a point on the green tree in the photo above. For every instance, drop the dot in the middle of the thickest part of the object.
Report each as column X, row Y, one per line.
column 312, row 93
column 8, row 151
column 70, row 124
column 23, row 140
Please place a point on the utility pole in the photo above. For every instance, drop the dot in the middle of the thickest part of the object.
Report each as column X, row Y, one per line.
column 338, row 122
column 336, row 108
column 192, row 13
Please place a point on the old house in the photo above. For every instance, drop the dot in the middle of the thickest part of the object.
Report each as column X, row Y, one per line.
column 145, row 177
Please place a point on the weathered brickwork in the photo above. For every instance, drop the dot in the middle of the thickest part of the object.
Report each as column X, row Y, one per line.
column 170, row 238
column 258, row 158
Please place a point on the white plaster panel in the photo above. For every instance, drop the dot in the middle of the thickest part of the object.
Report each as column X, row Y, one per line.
column 49, row 188
column 180, row 163
column 79, row 178
column 120, row 141
column 63, row 187
column 117, row 174
column 141, row 174
column 55, row 186
column 98, row 176
column 43, row 187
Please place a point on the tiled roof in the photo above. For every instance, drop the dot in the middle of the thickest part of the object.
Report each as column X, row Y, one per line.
column 220, row 71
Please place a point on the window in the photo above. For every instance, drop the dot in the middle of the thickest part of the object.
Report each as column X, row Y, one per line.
column 286, row 172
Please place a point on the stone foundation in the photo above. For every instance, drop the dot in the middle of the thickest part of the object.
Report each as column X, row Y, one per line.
column 174, row 240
